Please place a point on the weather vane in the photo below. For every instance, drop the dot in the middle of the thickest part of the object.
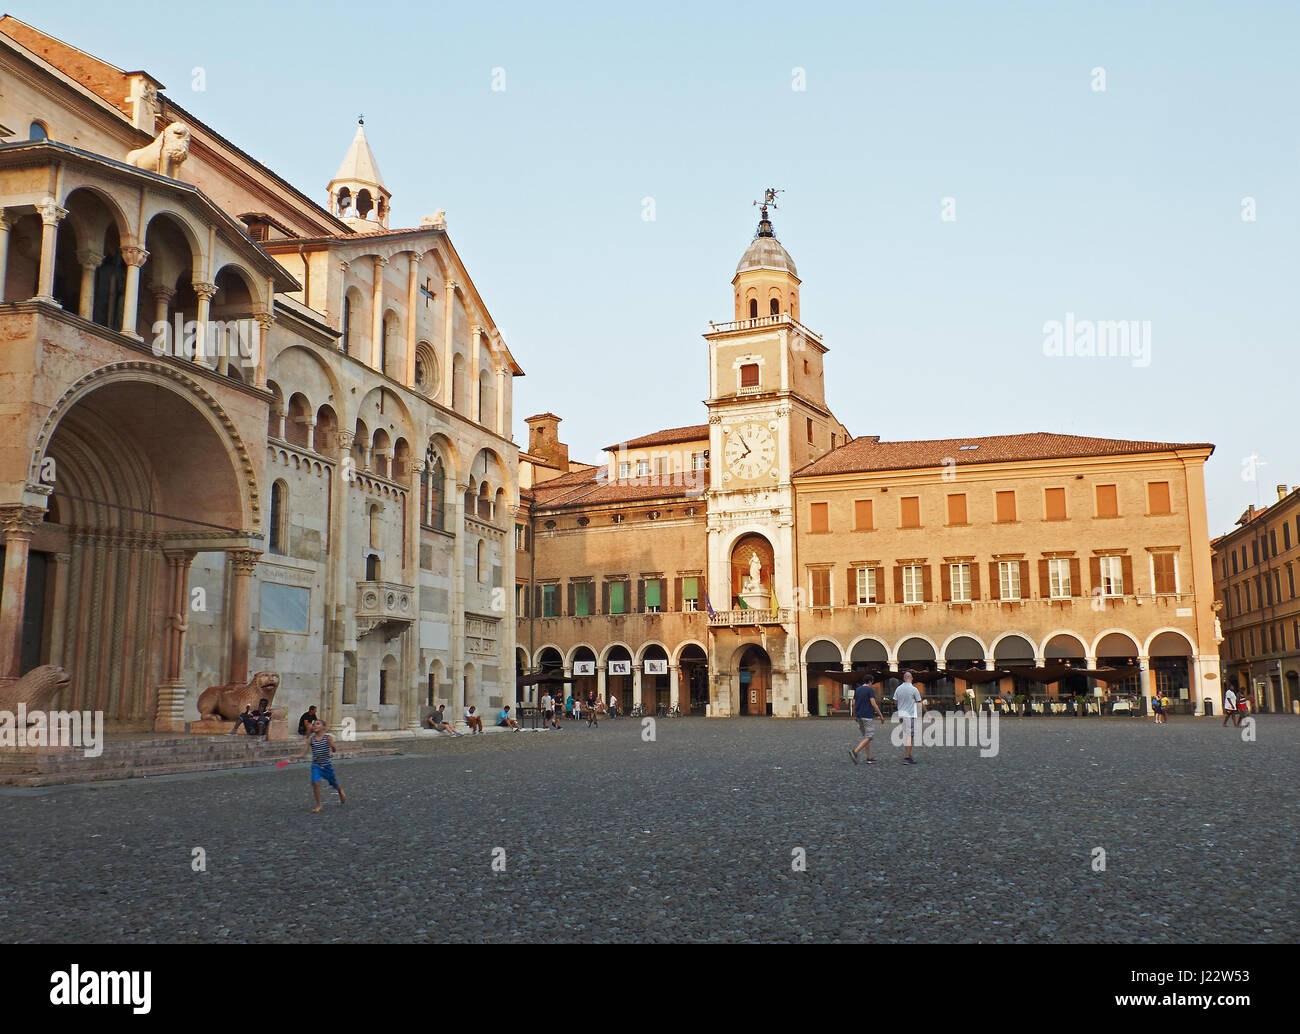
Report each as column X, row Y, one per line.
column 769, row 199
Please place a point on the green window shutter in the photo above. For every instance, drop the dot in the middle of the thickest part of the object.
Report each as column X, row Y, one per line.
column 690, row 588
column 653, row 592
column 616, row 597
column 583, row 600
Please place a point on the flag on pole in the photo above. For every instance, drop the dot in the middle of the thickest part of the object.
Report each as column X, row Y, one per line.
column 707, row 605
column 741, row 601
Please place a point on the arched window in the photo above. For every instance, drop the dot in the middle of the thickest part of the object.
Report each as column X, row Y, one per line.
column 432, row 483
column 753, row 308
column 775, row 306
column 374, row 527
column 279, row 517
column 37, row 131
column 383, row 346
column 347, row 325
column 481, row 561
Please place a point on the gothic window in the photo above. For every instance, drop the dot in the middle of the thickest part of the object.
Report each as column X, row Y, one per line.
column 279, row 516
column 774, row 306
column 347, row 325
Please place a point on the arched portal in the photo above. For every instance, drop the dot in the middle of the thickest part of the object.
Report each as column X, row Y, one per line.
column 125, row 452
column 693, row 688
column 823, row 694
column 656, row 689
column 1171, row 674
column 752, row 560
column 755, row 680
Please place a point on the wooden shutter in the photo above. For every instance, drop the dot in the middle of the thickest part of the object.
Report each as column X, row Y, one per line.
column 537, row 601
column 573, row 593
column 974, row 580
column 1056, row 504
column 1044, row 580
column 640, row 595
column 880, row 585
column 678, row 600
column 1094, row 573
column 1006, row 506
column 852, row 598
column 945, row 575
column 957, row 508
column 1025, row 592
column 995, row 583
column 820, row 517
column 863, row 519
column 1076, row 577
column 1158, row 497
column 1107, row 501
column 604, row 597
column 1126, row 569
column 898, row 583
column 910, row 511
column 927, row 585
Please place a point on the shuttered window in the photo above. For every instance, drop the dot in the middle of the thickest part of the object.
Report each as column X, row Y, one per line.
column 820, row 582
column 749, row 375
column 1166, row 580
column 1107, row 501
column 820, row 517
column 959, row 582
column 1054, row 504
column 913, row 583
column 584, row 596
column 1006, row 506
column 863, row 517
column 1009, row 579
column 653, row 595
column 1058, row 578
column 910, row 511
column 618, row 598
column 690, row 594
column 1158, row 497
column 957, row 508
column 864, row 579
column 550, row 595
column 1112, row 575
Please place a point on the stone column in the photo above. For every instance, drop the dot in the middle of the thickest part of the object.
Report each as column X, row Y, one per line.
column 636, row 685
column 262, row 348
column 135, row 258
column 89, row 260
column 162, row 297
column 1146, row 680
column 602, row 687
column 501, row 401
column 6, row 224
column 243, row 563
column 457, row 616
column 205, row 293
column 51, row 215
column 59, row 626
column 472, row 395
column 412, row 298
column 675, row 686
column 169, row 715
column 17, row 525
column 377, row 316
column 448, row 344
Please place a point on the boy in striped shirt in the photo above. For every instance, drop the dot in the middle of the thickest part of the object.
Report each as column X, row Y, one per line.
column 320, row 745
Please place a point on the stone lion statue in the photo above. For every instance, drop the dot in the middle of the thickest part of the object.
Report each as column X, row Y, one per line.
column 37, row 689
column 229, row 701
column 165, row 154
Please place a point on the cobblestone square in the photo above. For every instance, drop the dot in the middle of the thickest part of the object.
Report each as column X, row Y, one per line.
column 691, row 837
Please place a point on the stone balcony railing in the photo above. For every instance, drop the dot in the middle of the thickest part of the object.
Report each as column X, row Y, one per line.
column 755, row 616
column 781, row 319
column 384, row 603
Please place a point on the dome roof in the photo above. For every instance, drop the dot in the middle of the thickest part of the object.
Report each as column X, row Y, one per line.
column 766, row 252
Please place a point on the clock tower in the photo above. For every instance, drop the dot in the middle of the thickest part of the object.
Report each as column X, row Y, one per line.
column 767, row 419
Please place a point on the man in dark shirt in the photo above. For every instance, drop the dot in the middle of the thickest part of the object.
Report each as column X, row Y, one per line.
column 865, row 710
column 304, row 723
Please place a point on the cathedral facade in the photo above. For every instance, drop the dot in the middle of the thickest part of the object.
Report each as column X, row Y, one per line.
column 243, row 431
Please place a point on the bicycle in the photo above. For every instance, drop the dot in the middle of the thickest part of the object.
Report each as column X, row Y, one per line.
column 637, row 711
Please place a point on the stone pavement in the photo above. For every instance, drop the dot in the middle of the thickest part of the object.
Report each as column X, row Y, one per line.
column 688, row 838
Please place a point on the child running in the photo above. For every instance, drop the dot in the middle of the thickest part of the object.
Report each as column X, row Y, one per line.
column 320, row 745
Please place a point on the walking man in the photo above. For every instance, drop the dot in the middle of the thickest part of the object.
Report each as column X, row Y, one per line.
column 320, row 745
column 547, row 713
column 1229, row 706
column 907, row 699
column 865, row 710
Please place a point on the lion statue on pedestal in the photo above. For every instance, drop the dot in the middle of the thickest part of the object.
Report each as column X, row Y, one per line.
column 36, row 690
column 228, row 702
column 165, row 154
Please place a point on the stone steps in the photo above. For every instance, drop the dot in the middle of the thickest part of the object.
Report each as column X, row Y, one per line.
column 145, row 757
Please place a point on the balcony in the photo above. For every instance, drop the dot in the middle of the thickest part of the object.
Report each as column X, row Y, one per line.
column 782, row 319
column 385, row 605
column 755, row 617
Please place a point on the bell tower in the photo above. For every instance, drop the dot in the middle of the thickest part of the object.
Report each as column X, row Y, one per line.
column 766, row 283
column 357, row 194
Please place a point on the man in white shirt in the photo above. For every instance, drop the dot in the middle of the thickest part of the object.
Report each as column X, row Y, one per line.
column 473, row 719
column 907, row 698
column 548, row 705
column 1229, row 706
column 613, row 706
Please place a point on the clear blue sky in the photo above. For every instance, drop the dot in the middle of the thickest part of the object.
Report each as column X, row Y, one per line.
column 1117, row 205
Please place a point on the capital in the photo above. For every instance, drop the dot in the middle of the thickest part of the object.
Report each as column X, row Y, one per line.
column 51, row 213
column 163, row 293
column 89, row 258
column 244, row 561
column 450, row 285
column 134, row 256
column 416, row 256
column 345, row 439
column 204, row 291
column 380, row 262
column 20, row 522
column 265, row 319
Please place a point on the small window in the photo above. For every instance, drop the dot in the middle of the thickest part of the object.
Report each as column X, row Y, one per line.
column 653, row 595
column 618, row 598
column 749, row 375
column 1054, row 504
column 910, row 511
column 1009, row 579
column 959, row 583
column 1112, row 576
column 690, row 594
column 642, row 468
column 774, row 306
column 753, row 308
column 819, row 513
column 584, row 596
column 624, row 471
column 1058, row 578
column 865, row 579
column 913, row 583
column 863, row 519
column 1164, row 572
column 1158, row 497
column 37, row 131
column 1006, row 507
column 1107, row 501
column 549, row 595
column 810, row 430
column 957, row 508
column 820, row 582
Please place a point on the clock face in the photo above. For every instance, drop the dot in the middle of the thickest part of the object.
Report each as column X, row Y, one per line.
column 750, row 451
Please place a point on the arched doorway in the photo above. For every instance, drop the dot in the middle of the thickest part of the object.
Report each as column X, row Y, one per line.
column 960, row 654
column 1119, row 650
column 1171, row 673
column 618, row 677
column 143, row 477
column 823, row 655
column 585, row 680
column 693, row 689
column 655, row 681
column 755, row 680
column 1068, row 650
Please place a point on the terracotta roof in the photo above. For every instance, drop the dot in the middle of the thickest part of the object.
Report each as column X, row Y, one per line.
column 591, row 488
column 693, row 433
column 104, row 80
column 542, row 416
column 867, row 454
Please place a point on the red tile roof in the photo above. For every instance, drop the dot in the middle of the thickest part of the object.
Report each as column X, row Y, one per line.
column 867, row 454
column 671, row 436
column 593, row 488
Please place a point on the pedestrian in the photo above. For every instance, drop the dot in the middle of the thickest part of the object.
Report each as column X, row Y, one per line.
column 590, row 710
column 504, row 721
column 613, row 706
column 548, row 712
column 306, row 721
column 1155, row 706
column 1165, row 703
column 320, row 746
column 1230, row 707
column 568, row 705
column 1245, row 705
column 473, row 719
column 438, row 721
column 906, row 699
column 865, row 710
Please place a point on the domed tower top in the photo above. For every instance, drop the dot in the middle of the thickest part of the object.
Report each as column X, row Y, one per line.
column 766, row 281
column 357, row 192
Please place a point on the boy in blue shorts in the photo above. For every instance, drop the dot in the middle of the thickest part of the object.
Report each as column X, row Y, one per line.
column 320, row 745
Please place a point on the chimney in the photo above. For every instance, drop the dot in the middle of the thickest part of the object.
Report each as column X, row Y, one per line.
column 544, row 441
column 1281, row 492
